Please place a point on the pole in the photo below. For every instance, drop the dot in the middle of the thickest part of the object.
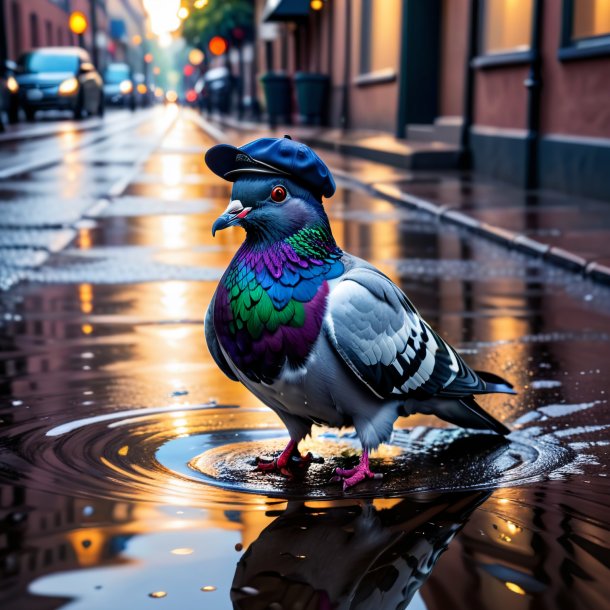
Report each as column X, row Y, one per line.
column 469, row 77
column 533, row 82
column 3, row 51
column 347, row 66
column 94, row 55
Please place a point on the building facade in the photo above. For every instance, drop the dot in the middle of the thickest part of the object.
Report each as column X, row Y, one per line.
column 522, row 87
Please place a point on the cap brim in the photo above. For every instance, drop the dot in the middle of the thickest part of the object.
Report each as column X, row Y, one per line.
column 229, row 162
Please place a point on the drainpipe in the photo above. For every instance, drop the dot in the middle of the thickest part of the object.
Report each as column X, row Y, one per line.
column 401, row 120
column 347, row 66
column 533, row 82
column 94, row 51
column 3, row 50
column 469, row 79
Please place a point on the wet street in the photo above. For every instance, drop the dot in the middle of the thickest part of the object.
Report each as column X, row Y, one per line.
column 126, row 476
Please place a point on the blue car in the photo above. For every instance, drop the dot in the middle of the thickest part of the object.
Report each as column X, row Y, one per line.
column 59, row 78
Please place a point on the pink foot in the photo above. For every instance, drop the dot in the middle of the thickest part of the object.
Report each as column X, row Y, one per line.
column 353, row 476
column 289, row 463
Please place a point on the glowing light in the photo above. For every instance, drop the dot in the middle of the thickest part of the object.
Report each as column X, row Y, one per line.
column 142, row 88
column 159, row 92
column 200, row 3
column 148, row 58
column 78, row 22
column 512, row 527
column 182, row 551
column 126, row 87
column 156, row 70
column 505, row 538
column 68, row 87
column 218, row 45
column 163, row 15
column 12, row 85
column 86, row 329
column 171, row 97
column 84, row 239
column 196, row 56
column 191, row 96
column 124, row 450
column 165, row 40
column 85, row 296
column 515, row 588
column 183, row 12
column 136, row 39
column 316, row 5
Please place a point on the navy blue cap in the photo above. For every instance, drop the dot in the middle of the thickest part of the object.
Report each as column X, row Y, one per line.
column 279, row 156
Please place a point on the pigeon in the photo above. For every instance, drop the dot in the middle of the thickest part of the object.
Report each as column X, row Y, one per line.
column 318, row 335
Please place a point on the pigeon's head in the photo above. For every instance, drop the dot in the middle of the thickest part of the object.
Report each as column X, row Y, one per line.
column 278, row 187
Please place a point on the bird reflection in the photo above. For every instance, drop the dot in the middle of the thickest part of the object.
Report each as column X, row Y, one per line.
column 356, row 556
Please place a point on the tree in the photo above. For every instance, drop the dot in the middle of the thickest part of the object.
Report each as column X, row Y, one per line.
column 231, row 19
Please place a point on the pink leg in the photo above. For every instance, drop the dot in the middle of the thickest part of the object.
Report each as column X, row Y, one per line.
column 355, row 475
column 288, row 463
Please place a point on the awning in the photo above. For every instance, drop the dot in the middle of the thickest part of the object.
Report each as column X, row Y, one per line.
column 285, row 10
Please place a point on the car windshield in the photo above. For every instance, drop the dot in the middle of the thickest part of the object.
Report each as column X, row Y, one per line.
column 47, row 62
column 116, row 74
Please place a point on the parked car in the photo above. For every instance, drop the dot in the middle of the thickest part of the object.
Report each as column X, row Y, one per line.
column 9, row 92
column 119, row 89
column 62, row 78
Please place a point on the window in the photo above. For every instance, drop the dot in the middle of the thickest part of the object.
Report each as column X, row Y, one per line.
column 49, row 30
column 507, row 26
column 590, row 18
column 16, row 25
column 586, row 29
column 379, row 36
column 34, row 30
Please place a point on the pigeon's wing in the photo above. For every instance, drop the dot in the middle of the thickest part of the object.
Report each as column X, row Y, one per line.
column 379, row 335
column 213, row 345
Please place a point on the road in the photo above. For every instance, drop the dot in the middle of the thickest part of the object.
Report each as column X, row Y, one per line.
column 125, row 455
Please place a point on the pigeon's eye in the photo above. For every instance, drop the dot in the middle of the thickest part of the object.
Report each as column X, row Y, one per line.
column 278, row 194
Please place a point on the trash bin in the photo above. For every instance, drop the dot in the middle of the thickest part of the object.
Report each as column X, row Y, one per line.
column 217, row 82
column 312, row 97
column 278, row 97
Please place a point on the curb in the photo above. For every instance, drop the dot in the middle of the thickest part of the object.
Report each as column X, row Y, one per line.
column 558, row 257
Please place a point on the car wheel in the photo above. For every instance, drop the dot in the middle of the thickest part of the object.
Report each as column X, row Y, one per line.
column 13, row 115
column 78, row 109
column 30, row 113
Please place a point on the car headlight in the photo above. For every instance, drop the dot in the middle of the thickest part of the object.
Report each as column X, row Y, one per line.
column 12, row 84
column 126, row 86
column 68, row 87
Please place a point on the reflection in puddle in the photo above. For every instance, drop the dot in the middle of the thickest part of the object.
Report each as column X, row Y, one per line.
column 357, row 557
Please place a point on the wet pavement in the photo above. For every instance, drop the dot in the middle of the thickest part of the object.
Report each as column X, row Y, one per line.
column 126, row 476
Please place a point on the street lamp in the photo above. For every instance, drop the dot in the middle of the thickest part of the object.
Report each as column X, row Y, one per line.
column 78, row 25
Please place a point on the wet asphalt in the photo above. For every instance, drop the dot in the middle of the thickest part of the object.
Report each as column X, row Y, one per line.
column 126, row 475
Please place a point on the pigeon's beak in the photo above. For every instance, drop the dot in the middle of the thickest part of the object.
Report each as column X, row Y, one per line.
column 231, row 216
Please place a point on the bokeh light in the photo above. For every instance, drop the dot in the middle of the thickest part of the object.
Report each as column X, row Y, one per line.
column 78, row 22
column 218, row 45
column 196, row 56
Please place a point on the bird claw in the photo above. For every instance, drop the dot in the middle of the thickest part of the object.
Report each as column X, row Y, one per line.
column 353, row 476
column 289, row 466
